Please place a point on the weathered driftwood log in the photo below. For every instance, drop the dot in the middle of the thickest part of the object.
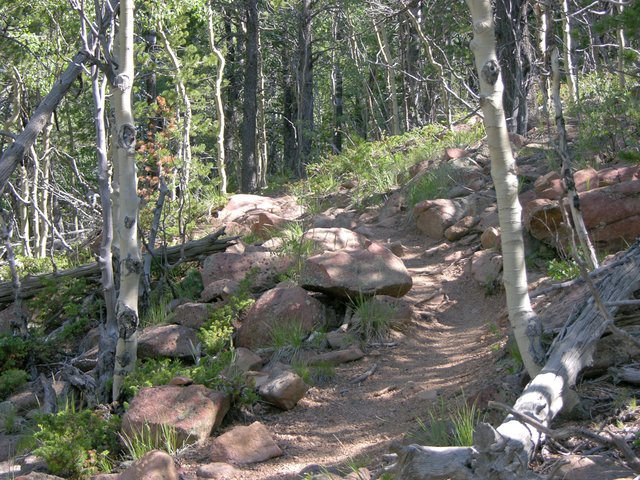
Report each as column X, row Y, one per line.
column 190, row 251
column 504, row 453
column 627, row 373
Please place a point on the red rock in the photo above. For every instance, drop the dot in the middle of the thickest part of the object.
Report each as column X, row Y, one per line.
column 218, row 471
column 244, row 445
column 452, row 153
column 332, row 239
column 284, row 305
column 194, row 411
column 192, row 315
column 170, row 341
column 486, row 266
column 155, row 465
column 283, row 389
column 433, row 217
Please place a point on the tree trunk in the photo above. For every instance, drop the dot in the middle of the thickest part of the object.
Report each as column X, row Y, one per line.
column 515, row 54
column 587, row 250
column 289, row 114
column 108, row 324
column 337, row 86
column 249, row 176
column 383, row 42
column 222, row 169
column 503, row 171
column 572, row 81
column 261, row 144
column 542, row 15
column 130, row 263
column 232, row 98
column 304, row 80
column 621, row 48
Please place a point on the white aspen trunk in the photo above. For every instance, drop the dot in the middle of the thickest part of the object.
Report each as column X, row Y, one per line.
column 188, row 115
column 426, row 42
column 572, row 81
column 261, row 144
column 542, row 14
column 621, row 48
column 222, row 170
column 108, row 325
column 588, row 252
column 43, row 198
column 35, row 218
column 503, row 171
column 390, row 76
column 130, row 263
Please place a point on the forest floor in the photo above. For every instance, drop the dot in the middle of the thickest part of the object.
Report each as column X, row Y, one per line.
column 455, row 347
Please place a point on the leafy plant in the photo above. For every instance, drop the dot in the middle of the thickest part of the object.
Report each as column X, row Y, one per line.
column 76, row 443
column 10, row 380
column 562, row 270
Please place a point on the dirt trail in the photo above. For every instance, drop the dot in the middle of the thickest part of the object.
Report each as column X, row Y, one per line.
column 446, row 349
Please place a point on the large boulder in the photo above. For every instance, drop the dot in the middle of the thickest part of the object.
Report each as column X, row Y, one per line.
column 433, row 217
column 170, row 341
column 350, row 273
column 235, row 266
column 193, row 411
column 611, row 215
column 244, row 445
column 336, row 238
column 284, row 305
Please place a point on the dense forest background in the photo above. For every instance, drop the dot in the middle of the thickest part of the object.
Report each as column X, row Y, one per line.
column 283, row 84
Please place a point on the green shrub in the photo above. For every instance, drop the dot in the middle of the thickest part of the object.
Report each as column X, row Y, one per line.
column 10, row 380
column 432, row 184
column 371, row 318
column 14, row 351
column 562, row 270
column 76, row 444
column 144, row 442
column 152, row 373
column 449, row 424
column 609, row 118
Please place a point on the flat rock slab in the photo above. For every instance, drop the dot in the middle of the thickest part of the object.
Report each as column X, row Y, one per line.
column 218, row 471
column 192, row 315
column 193, row 411
column 170, row 341
column 336, row 238
column 352, row 273
column 335, row 357
column 244, row 445
column 155, row 465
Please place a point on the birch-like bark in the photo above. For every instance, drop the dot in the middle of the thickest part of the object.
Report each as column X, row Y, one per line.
column 572, row 81
column 108, row 325
column 621, row 48
column 130, row 263
column 222, row 170
column 43, row 192
column 383, row 42
column 569, row 184
column 542, row 14
column 503, row 171
column 261, row 144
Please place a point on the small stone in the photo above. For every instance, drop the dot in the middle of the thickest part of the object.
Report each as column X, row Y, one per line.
column 284, row 390
column 218, row 471
column 155, row 465
column 245, row 445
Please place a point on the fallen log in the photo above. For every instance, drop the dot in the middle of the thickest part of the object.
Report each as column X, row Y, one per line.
column 190, row 251
column 504, row 453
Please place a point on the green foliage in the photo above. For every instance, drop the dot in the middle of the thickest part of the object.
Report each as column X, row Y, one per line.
column 449, row 424
column 10, row 380
column 14, row 351
column 36, row 266
column 143, row 442
column 287, row 339
column 371, row 318
column 76, row 444
column 215, row 334
column 431, row 185
column 152, row 373
column 609, row 120
column 562, row 270
column 375, row 167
